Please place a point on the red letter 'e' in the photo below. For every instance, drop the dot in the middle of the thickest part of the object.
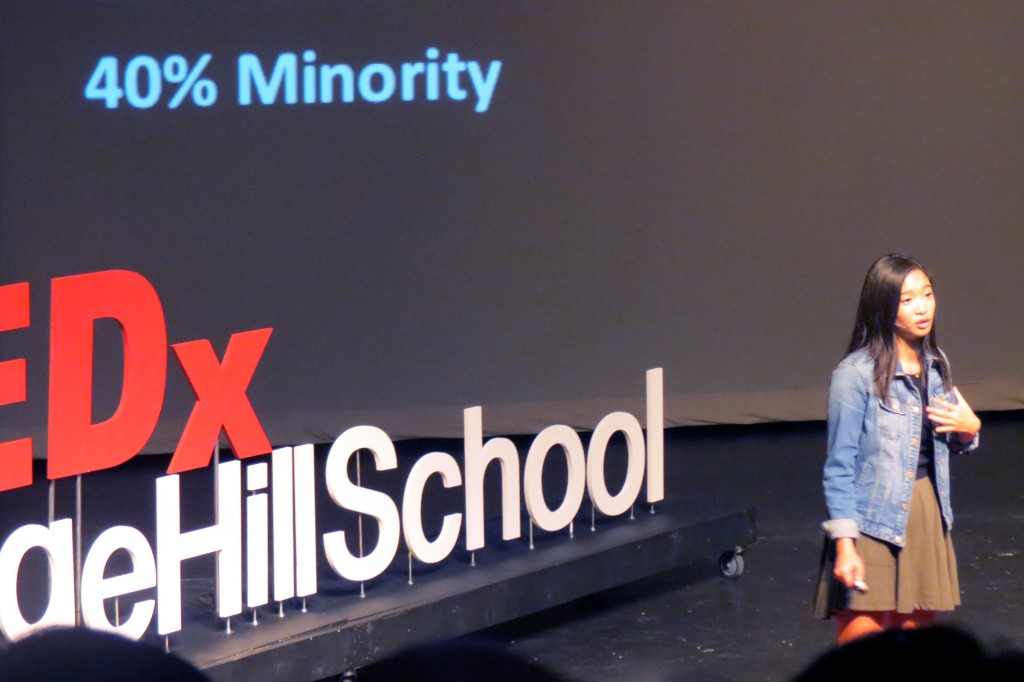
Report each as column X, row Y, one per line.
column 15, row 455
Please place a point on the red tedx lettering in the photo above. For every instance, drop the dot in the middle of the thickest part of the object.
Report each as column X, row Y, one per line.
column 221, row 400
column 76, row 445
column 15, row 455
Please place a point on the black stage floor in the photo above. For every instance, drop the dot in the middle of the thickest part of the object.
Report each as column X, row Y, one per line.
column 691, row 624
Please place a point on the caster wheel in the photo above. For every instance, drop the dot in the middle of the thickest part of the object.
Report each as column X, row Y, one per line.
column 731, row 565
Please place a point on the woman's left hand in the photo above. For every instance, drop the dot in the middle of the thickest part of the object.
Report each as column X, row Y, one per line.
column 955, row 417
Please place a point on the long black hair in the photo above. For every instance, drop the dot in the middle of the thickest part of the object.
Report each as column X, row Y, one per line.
column 875, row 328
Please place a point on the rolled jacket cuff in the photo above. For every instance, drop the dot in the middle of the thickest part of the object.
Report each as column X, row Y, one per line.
column 960, row 448
column 841, row 528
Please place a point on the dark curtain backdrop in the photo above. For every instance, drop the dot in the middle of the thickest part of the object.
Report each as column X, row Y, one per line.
column 698, row 186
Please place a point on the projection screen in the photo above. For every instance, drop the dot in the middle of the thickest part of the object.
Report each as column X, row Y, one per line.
column 517, row 205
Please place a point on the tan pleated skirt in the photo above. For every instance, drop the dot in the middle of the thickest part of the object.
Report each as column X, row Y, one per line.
column 921, row 576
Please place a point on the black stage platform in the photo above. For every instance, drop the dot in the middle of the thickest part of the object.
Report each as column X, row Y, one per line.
column 345, row 632
column 686, row 623
column 345, row 626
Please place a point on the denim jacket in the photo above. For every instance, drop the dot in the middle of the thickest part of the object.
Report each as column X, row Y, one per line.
column 873, row 450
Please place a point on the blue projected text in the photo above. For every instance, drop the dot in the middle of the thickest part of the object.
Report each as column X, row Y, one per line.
column 290, row 78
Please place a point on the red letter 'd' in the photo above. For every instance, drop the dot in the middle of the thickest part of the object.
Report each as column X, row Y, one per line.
column 78, row 446
column 15, row 455
column 220, row 400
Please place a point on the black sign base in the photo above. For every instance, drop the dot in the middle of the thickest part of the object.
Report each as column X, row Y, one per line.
column 341, row 630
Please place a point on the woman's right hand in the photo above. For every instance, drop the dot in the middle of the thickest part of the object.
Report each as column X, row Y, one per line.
column 849, row 567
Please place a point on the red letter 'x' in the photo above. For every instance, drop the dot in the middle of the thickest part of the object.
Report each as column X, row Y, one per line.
column 220, row 400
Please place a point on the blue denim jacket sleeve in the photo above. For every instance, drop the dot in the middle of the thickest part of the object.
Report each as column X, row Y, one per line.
column 956, row 446
column 849, row 394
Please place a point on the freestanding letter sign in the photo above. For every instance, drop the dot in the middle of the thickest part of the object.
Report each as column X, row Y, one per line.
column 76, row 444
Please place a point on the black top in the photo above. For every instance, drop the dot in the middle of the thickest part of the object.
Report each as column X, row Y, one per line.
column 926, row 453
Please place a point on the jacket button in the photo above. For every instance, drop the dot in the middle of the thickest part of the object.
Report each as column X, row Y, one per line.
column 915, row 441
column 911, row 474
column 916, row 410
column 897, row 539
column 906, row 506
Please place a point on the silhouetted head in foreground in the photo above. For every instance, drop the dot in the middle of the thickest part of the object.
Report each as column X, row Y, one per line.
column 932, row 653
column 81, row 654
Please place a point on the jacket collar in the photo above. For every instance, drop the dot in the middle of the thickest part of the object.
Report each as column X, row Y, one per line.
column 929, row 360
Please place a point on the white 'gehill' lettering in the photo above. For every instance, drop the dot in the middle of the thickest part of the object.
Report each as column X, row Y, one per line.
column 173, row 546
column 57, row 542
column 282, row 501
column 257, row 537
column 305, row 522
column 292, row 500
column 96, row 589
